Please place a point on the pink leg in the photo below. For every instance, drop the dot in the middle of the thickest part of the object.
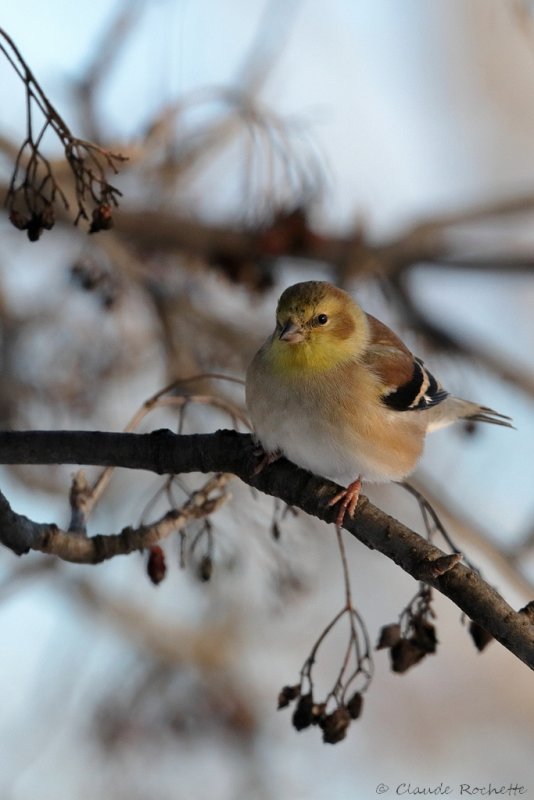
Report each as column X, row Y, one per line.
column 348, row 500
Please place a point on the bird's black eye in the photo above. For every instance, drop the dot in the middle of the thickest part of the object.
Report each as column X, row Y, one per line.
column 322, row 319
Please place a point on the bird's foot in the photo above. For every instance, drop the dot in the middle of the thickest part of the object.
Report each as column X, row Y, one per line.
column 264, row 458
column 348, row 500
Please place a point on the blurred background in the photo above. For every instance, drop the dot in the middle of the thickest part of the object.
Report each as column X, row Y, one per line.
column 388, row 147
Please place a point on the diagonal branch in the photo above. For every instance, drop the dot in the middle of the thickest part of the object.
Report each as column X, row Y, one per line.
column 231, row 452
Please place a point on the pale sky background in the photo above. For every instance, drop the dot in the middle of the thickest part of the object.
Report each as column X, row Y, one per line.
column 418, row 107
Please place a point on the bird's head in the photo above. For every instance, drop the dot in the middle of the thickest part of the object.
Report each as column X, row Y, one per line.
column 317, row 326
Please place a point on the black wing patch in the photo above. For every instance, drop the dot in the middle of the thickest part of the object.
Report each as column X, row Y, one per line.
column 420, row 392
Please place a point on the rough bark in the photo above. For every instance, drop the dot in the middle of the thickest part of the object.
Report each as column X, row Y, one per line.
column 230, row 452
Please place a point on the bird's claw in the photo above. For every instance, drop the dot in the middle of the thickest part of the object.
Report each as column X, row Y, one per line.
column 264, row 458
column 348, row 500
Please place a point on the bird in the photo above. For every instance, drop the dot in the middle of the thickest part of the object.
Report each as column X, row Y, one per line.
column 337, row 392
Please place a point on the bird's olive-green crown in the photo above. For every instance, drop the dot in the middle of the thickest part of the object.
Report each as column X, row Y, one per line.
column 301, row 300
column 306, row 302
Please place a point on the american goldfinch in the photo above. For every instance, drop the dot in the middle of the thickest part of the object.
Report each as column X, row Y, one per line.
column 338, row 393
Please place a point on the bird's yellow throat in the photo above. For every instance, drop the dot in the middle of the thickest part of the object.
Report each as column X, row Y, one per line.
column 309, row 356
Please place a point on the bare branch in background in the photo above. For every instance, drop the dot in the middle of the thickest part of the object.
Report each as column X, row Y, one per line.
column 106, row 53
column 80, row 549
column 344, row 701
column 34, row 190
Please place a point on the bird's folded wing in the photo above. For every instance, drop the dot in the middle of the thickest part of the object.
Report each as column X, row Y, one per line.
column 407, row 384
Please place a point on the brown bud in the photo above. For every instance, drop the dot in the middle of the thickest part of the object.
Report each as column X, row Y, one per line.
column 156, row 566
column 389, row 635
column 439, row 566
column 336, row 725
column 355, row 705
column 303, row 714
column 405, row 654
column 479, row 635
column 287, row 695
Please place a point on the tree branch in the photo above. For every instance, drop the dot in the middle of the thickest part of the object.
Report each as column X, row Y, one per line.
column 21, row 534
column 230, row 452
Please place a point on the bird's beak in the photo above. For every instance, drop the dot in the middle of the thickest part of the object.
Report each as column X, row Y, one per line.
column 291, row 333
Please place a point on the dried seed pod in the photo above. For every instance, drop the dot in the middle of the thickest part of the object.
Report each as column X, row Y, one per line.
column 156, row 567
column 424, row 635
column 102, row 218
column 303, row 714
column 205, row 568
column 389, row 635
column 48, row 217
column 318, row 714
column 355, row 705
column 35, row 227
column 287, row 695
column 19, row 220
column 336, row 725
column 405, row 654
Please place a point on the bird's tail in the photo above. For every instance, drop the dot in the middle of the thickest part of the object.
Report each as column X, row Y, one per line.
column 485, row 414
column 453, row 409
